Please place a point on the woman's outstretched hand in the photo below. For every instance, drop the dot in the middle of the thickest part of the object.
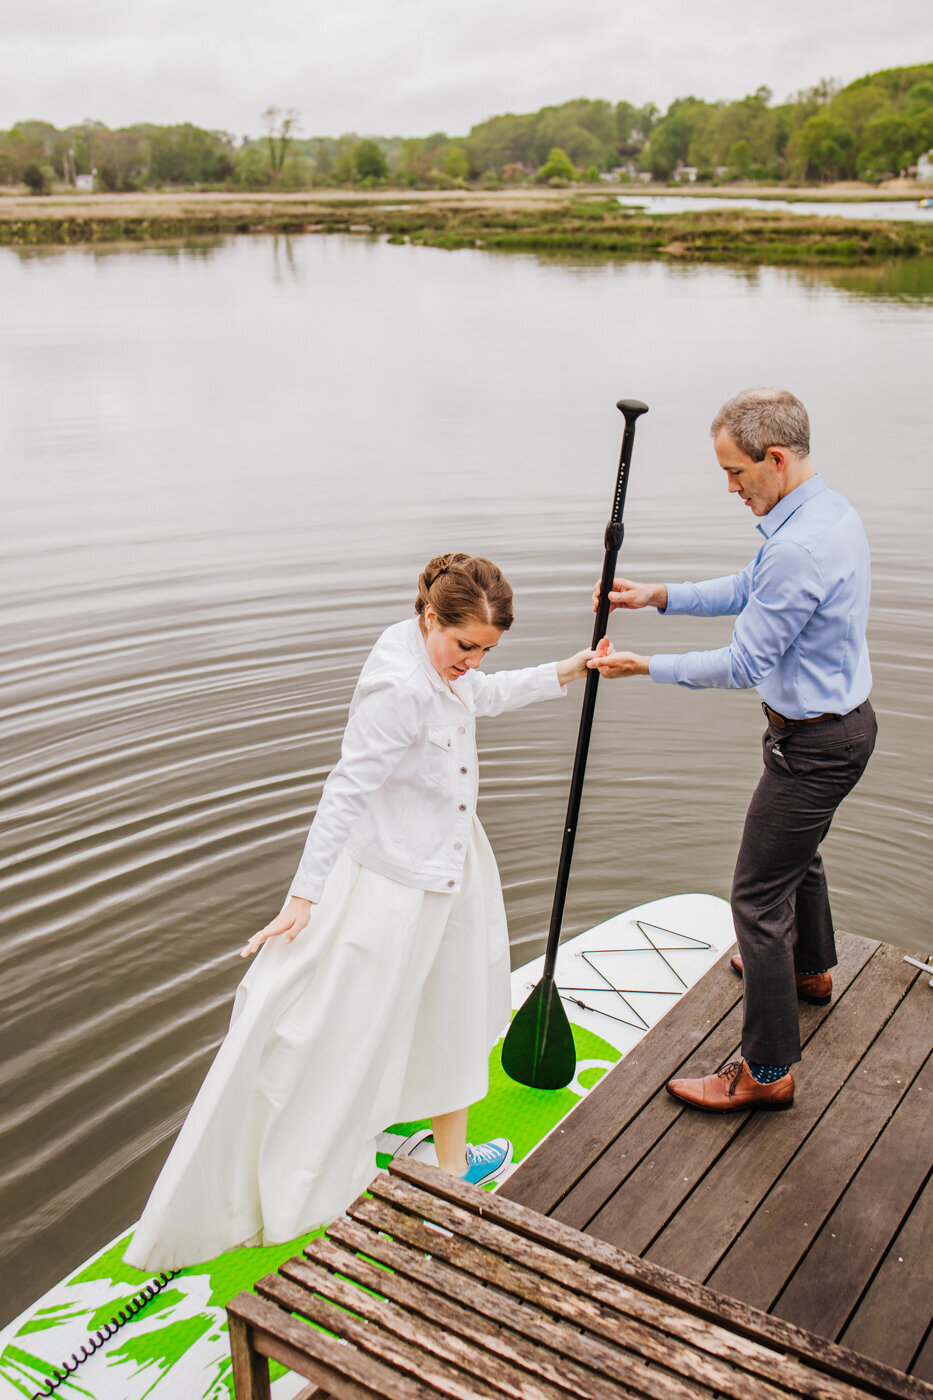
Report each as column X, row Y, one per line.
column 574, row 667
column 289, row 924
column 612, row 664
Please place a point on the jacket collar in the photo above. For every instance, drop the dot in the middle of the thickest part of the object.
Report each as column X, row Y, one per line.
column 416, row 642
column 785, row 508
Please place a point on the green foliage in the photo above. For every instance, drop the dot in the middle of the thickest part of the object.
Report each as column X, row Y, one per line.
column 251, row 169
column 633, row 126
column 558, row 166
column 189, row 155
column 297, row 173
column 740, row 159
column 344, row 171
column 457, row 163
column 34, row 178
column 280, row 130
column 578, row 224
column 120, row 159
column 671, row 137
column 20, row 147
column 370, row 163
column 821, row 146
column 588, row 132
column 876, row 126
column 879, row 124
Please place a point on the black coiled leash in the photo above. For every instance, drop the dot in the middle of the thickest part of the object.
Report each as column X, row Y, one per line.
column 103, row 1334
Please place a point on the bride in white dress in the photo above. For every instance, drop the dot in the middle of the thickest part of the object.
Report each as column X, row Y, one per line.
column 383, row 984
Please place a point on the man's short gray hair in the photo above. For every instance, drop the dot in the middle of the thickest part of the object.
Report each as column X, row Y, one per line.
column 758, row 419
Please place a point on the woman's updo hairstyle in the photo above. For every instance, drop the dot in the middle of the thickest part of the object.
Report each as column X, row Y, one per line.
column 462, row 589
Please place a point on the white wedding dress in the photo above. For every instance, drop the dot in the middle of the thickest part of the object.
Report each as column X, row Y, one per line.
column 383, row 1010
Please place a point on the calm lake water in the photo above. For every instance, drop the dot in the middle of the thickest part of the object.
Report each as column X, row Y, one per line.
column 828, row 208
column 224, row 468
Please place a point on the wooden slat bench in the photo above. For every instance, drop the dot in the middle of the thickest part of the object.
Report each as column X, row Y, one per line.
column 822, row 1216
column 429, row 1287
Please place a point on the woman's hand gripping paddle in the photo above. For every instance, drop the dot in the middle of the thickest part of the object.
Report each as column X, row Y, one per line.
column 539, row 1049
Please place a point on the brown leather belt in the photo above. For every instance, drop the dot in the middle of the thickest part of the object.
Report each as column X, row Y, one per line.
column 782, row 722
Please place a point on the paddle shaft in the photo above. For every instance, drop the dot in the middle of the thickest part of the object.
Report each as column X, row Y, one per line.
column 632, row 410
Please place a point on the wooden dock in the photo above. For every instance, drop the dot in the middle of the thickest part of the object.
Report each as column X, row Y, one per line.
column 430, row 1289
column 822, row 1216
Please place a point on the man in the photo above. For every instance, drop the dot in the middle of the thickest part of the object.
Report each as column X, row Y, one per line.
column 799, row 639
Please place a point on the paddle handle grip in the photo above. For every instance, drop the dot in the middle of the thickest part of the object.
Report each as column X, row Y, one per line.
column 632, row 409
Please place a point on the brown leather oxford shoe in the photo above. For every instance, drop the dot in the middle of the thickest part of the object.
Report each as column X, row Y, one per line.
column 733, row 1089
column 816, row 987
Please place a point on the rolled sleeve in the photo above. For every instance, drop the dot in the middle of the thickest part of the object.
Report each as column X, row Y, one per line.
column 715, row 597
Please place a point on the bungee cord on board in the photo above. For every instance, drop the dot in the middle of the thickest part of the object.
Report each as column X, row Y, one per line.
column 96, row 1340
column 688, row 944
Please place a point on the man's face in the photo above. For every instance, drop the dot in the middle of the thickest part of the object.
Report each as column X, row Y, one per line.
column 760, row 484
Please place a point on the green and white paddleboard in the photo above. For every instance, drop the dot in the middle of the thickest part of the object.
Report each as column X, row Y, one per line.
column 618, row 979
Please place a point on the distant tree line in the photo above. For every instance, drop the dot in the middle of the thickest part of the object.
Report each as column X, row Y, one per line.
column 876, row 127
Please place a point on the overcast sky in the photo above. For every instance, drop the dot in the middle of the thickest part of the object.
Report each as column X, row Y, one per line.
column 410, row 67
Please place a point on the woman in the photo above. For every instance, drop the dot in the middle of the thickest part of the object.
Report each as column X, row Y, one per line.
column 386, row 1007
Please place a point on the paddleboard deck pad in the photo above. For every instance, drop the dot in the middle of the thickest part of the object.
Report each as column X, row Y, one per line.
column 109, row 1332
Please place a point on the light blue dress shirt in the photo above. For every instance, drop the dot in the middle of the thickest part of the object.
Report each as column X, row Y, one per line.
column 802, row 608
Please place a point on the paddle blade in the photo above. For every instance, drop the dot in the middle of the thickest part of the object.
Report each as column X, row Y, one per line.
column 539, row 1049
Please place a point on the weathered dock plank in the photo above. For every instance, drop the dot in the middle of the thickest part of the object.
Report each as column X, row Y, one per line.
column 893, row 1318
column 762, row 1259
column 823, row 1216
column 549, row 1173
column 677, row 1146
column 846, row 1253
column 793, row 1170
column 431, row 1288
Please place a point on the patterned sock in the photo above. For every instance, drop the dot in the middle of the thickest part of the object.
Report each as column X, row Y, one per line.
column 766, row 1074
column 812, row 971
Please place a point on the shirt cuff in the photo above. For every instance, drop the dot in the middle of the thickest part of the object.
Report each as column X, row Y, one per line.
column 307, row 889
column 663, row 668
column 679, row 598
column 554, row 686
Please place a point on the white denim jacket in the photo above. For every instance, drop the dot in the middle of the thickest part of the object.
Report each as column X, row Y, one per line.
column 402, row 797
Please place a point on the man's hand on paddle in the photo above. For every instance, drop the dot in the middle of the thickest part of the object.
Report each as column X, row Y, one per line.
column 289, row 924
column 626, row 594
column 612, row 664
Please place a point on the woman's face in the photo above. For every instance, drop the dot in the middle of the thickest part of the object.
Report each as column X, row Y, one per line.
column 456, row 650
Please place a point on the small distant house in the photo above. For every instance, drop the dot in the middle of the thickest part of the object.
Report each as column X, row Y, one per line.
column 84, row 182
column 925, row 168
column 645, row 177
column 685, row 174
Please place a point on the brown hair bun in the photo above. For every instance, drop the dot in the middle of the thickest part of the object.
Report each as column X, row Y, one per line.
column 462, row 588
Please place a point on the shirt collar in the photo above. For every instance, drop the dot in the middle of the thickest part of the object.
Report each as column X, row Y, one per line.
column 785, row 508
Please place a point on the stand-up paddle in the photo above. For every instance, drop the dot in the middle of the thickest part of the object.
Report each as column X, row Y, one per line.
column 539, row 1049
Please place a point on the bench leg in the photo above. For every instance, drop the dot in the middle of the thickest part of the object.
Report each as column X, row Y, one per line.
column 250, row 1370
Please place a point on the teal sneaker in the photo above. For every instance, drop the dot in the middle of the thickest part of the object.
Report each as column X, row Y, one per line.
column 487, row 1160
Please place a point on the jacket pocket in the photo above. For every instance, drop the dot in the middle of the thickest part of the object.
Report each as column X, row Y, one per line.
column 438, row 758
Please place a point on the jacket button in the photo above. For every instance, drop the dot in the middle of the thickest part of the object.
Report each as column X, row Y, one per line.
column 464, row 770
column 463, row 806
column 462, row 729
column 458, row 845
column 451, row 883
